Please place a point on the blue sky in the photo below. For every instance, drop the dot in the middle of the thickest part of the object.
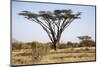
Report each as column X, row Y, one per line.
column 27, row 31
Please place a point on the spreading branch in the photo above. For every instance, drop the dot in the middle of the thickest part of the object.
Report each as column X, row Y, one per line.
column 54, row 23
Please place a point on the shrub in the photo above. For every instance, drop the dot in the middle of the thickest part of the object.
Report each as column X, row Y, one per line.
column 38, row 50
column 87, row 43
column 16, row 46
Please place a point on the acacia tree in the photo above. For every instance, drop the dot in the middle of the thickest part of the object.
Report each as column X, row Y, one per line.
column 84, row 37
column 86, row 41
column 53, row 22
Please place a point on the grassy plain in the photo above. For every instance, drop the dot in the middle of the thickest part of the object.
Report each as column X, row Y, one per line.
column 78, row 54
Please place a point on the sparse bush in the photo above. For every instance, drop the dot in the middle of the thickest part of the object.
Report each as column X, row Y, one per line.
column 63, row 45
column 38, row 50
column 86, row 48
column 87, row 43
column 26, row 46
column 69, row 44
column 16, row 46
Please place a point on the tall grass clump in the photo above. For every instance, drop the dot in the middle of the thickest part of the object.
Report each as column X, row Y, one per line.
column 38, row 50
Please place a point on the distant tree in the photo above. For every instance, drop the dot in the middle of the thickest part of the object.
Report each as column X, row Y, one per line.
column 84, row 37
column 86, row 41
column 54, row 23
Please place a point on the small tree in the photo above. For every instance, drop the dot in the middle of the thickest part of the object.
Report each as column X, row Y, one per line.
column 86, row 41
column 54, row 23
column 84, row 37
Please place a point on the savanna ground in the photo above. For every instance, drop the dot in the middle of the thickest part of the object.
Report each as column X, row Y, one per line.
column 72, row 54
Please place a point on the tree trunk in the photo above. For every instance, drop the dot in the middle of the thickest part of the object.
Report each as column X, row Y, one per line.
column 56, row 45
column 57, row 41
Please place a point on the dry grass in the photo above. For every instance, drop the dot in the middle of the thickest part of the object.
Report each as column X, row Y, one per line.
column 24, row 56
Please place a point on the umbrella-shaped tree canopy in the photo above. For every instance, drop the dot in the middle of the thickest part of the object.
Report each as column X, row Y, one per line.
column 53, row 22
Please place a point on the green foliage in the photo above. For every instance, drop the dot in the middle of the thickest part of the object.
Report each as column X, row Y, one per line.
column 87, row 43
column 84, row 37
column 68, row 45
